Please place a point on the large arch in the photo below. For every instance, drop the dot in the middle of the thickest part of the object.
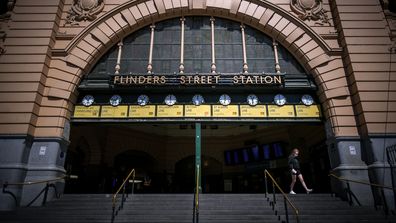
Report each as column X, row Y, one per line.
column 324, row 63
column 308, row 47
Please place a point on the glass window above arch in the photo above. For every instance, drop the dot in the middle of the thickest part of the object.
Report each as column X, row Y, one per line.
column 234, row 44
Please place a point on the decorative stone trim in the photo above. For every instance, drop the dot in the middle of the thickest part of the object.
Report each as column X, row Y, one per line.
column 83, row 10
column 310, row 10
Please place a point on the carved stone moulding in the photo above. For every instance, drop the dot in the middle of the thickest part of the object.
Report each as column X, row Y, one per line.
column 310, row 10
column 84, row 10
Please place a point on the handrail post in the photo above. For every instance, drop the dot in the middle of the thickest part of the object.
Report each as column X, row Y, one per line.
column 273, row 192
column 113, row 213
column 123, row 197
column 266, row 183
column 349, row 194
column 386, row 209
column 45, row 194
column 286, row 212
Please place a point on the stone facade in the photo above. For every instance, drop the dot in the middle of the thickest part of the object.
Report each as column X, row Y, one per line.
column 346, row 45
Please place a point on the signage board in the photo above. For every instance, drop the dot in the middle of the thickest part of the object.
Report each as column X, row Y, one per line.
column 285, row 111
column 86, row 112
column 221, row 111
column 109, row 111
column 197, row 111
column 303, row 111
column 165, row 111
column 137, row 111
column 258, row 111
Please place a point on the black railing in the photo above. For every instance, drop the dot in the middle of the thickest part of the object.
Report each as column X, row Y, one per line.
column 122, row 188
column 391, row 154
column 352, row 197
column 286, row 199
column 48, row 184
column 196, row 198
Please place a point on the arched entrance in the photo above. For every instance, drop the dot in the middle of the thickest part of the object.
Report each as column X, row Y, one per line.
column 140, row 42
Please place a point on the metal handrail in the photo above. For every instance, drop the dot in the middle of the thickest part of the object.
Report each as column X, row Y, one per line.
column 122, row 187
column 360, row 182
column 351, row 194
column 196, row 198
column 44, row 190
column 285, row 197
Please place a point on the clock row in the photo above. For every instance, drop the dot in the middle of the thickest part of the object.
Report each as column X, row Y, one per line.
column 198, row 99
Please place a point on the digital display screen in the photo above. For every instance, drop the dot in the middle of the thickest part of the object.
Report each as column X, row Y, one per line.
column 254, row 153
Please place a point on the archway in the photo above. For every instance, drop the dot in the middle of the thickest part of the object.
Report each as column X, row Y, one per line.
column 292, row 38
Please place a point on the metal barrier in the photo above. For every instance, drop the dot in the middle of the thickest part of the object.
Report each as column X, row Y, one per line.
column 351, row 196
column 391, row 155
column 123, row 186
column 286, row 200
column 48, row 184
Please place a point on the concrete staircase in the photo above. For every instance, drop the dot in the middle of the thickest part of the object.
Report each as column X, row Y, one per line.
column 174, row 208
column 323, row 208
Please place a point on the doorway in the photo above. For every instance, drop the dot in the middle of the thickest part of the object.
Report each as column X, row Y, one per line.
column 234, row 156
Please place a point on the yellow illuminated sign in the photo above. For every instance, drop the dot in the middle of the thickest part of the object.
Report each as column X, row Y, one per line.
column 258, row 111
column 312, row 111
column 114, row 112
column 197, row 111
column 225, row 111
column 137, row 111
column 86, row 112
column 170, row 111
column 286, row 111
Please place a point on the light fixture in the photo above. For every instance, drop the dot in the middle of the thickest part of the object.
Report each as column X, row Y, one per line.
column 115, row 100
column 307, row 99
column 88, row 100
column 143, row 100
column 279, row 99
column 170, row 99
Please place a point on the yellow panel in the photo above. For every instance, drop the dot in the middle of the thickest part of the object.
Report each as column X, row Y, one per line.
column 258, row 111
column 286, row 111
column 109, row 111
column 225, row 111
column 170, row 111
column 86, row 112
column 312, row 111
column 197, row 111
column 137, row 111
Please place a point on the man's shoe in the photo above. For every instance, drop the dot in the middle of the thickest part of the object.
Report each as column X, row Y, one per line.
column 292, row 192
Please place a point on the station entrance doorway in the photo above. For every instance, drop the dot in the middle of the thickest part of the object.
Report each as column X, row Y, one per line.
column 233, row 156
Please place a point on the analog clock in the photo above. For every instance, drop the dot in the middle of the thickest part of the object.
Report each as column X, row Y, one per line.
column 88, row 100
column 198, row 99
column 252, row 100
column 170, row 99
column 143, row 100
column 115, row 100
column 307, row 99
column 225, row 99
column 279, row 99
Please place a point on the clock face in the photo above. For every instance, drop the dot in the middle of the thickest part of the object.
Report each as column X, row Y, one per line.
column 115, row 100
column 252, row 99
column 170, row 99
column 198, row 99
column 88, row 100
column 225, row 99
column 279, row 99
column 307, row 99
column 143, row 100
